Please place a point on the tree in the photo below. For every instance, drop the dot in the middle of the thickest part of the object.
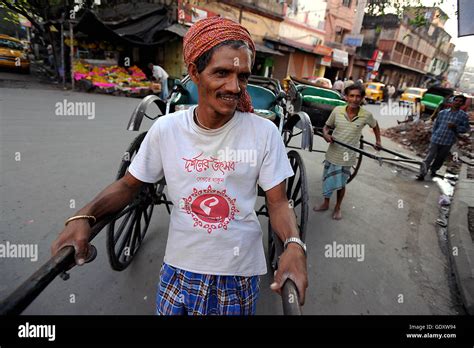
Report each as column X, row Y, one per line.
column 382, row 7
column 42, row 13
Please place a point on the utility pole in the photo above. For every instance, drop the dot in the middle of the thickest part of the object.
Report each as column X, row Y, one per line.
column 71, row 37
column 63, row 67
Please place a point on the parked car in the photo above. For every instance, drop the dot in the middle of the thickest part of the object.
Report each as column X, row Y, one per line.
column 411, row 95
column 13, row 54
column 374, row 91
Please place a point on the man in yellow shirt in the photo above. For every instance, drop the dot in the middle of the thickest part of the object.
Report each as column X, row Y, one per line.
column 347, row 123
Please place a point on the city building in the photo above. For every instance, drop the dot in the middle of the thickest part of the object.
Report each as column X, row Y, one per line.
column 412, row 55
column 301, row 38
column 339, row 22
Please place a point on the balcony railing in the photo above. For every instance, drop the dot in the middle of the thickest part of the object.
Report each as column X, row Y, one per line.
column 397, row 57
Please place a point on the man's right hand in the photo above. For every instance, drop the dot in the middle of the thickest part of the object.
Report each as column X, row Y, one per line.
column 76, row 234
column 112, row 199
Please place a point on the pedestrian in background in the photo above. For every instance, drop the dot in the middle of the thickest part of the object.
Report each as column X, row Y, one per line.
column 391, row 91
column 338, row 85
column 160, row 75
column 446, row 128
column 348, row 82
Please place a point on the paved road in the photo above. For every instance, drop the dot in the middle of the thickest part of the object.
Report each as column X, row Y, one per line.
column 66, row 159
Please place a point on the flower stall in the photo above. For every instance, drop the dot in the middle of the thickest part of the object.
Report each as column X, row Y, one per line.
column 114, row 79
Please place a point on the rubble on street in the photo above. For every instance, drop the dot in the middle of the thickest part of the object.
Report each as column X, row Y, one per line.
column 415, row 136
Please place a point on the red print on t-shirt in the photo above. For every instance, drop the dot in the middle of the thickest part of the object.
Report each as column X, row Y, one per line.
column 210, row 209
column 202, row 164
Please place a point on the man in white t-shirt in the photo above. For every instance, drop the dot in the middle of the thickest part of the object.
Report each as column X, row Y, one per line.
column 212, row 155
column 160, row 75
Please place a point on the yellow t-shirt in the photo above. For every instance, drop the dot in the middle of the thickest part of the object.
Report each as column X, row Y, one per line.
column 348, row 132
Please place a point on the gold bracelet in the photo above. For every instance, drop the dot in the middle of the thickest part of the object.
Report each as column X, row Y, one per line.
column 77, row 217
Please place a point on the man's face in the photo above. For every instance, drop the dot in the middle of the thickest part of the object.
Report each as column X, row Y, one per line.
column 354, row 98
column 223, row 80
column 458, row 102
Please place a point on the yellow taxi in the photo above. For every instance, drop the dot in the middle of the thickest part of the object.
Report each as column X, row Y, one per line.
column 411, row 94
column 13, row 53
column 374, row 91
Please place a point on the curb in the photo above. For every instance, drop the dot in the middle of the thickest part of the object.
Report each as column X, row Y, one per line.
column 461, row 244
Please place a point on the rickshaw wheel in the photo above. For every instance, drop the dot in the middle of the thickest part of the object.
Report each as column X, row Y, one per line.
column 356, row 166
column 297, row 194
column 126, row 232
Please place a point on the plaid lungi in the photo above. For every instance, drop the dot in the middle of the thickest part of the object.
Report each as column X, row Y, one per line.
column 182, row 292
column 334, row 178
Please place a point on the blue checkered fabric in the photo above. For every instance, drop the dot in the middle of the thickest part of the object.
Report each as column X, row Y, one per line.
column 182, row 292
column 442, row 135
column 334, row 178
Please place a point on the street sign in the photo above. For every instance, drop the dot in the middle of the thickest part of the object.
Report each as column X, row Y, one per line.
column 353, row 40
column 323, row 50
column 465, row 22
column 377, row 56
column 326, row 61
column 340, row 56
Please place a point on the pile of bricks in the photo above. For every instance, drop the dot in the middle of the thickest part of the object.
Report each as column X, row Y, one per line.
column 416, row 137
column 413, row 136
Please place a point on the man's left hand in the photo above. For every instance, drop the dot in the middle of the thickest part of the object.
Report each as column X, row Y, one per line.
column 452, row 125
column 292, row 265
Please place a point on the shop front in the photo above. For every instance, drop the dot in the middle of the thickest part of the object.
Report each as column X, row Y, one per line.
column 265, row 60
column 114, row 58
column 299, row 59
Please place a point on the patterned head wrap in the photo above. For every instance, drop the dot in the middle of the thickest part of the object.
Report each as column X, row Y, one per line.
column 208, row 33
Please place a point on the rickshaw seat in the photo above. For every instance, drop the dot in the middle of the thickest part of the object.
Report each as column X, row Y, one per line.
column 192, row 96
column 320, row 92
column 262, row 98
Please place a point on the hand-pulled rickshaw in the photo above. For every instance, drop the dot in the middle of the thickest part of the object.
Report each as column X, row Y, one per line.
column 126, row 229
column 300, row 109
column 318, row 103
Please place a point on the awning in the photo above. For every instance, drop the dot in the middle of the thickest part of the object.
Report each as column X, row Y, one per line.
column 146, row 30
column 291, row 44
column 340, row 56
column 178, row 29
column 268, row 50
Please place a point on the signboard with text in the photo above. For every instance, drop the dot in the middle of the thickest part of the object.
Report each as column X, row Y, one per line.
column 465, row 13
column 189, row 14
column 326, row 61
column 354, row 40
column 323, row 50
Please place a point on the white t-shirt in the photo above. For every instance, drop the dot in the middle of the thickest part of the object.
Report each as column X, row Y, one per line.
column 212, row 178
column 159, row 73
